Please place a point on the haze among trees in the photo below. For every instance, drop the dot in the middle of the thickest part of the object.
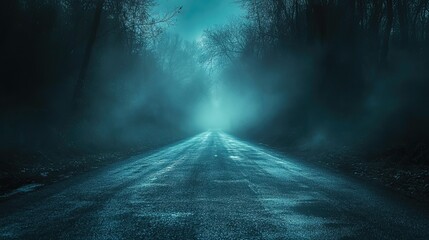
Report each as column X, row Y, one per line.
column 92, row 72
column 332, row 72
column 82, row 76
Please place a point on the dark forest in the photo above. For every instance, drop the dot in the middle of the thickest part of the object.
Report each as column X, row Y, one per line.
column 343, row 85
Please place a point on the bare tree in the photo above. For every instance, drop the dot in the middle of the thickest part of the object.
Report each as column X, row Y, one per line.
column 77, row 96
column 133, row 20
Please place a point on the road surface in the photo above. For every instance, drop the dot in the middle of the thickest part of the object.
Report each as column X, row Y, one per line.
column 212, row 186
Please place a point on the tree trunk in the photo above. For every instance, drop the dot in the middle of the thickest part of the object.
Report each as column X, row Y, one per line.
column 78, row 91
column 296, row 16
column 374, row 21
column 403, row 22
column 316, row 19
column 280, row 14
column 387, row 31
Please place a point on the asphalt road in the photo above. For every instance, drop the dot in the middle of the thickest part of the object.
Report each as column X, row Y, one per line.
column 212, row 186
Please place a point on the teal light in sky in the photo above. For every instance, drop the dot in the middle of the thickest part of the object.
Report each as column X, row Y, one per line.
column 223, row 109
column 198, row 15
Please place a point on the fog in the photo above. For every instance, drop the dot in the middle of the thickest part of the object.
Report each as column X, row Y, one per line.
column 87, row 75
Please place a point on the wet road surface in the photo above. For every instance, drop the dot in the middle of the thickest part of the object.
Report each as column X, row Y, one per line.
column 211, row 186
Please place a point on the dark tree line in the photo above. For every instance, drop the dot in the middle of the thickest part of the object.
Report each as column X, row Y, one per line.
column 351, row 72
column 373, row 24
column 78, row 72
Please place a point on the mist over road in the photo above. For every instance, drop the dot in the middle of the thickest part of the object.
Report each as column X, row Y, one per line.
column 211, row 186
